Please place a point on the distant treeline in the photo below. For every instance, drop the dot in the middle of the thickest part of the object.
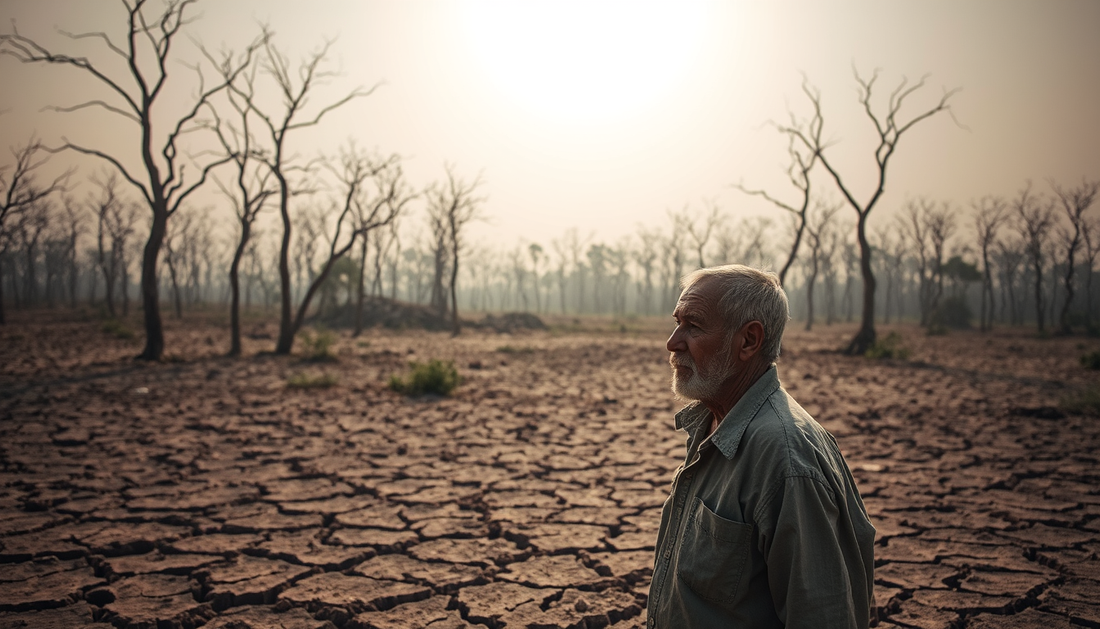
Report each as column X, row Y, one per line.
column 929, row 263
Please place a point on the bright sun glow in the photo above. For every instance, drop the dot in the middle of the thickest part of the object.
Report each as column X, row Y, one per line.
column 572, row 60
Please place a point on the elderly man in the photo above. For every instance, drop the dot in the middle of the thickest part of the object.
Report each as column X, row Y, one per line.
column 764, row 526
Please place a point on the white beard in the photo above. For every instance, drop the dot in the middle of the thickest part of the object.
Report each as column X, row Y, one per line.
column 700, row 385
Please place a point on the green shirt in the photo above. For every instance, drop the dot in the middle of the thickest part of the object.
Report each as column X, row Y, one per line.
column 764, row 526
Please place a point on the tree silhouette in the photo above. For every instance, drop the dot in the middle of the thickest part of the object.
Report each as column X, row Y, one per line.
column 1075, row 202
column 147, row 54
column 21, row 192
column 889, row 128
column 455, row 204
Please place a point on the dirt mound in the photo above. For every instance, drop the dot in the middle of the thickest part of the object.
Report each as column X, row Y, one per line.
column 387, row 313
column 398, row 315
column 512, row 322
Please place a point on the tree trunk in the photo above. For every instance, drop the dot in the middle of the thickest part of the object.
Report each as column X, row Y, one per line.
column 286, row 325
column 865, row 338
column 150, row 293
column 362, row 282
column 3, row 317
column 456, row 325
column 1064, row 326
column 235, row 291
column 175, row 287
column 1038, row 265
column 810, row 295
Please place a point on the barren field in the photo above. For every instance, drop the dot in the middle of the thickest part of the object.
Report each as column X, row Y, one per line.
column 205, row 491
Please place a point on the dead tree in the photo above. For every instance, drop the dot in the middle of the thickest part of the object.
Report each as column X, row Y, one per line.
column 30, row 226
column 294, row 88
column 455, row 201
column 802, row 162
column 1075, row 202
column 645, row 255
column 147, row 56
column 518, row 268
column 989, row 215
column 74, row 216
column 114, row 227
column 928, row 228
column 829, row 250
column 889, row 128
column 1009, row 256
column 817, row 231
column 437, row 223
column 177, row 256
column 374, row 194
column 940, row 225
column 534, row 250
column 1034, row 220
column 700, row 234
column 251, row 185
column 914, row 228
column 20, row 191
column 893, row 257
column 850, row 256
column 1089, row 233
column 561, row 250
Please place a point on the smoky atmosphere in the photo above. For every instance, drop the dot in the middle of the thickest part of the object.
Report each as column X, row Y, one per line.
column 343, row 315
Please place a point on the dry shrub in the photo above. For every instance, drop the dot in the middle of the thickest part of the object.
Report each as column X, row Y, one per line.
column 435, row 376
column 318, row 345
column 888, row 346
column 303, row 380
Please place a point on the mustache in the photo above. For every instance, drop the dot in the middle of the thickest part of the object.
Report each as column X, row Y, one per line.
column 681, row 360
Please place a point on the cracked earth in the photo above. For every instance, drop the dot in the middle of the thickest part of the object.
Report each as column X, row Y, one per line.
column 204, row 491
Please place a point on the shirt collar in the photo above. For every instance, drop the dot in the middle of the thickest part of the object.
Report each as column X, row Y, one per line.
column 728, row 436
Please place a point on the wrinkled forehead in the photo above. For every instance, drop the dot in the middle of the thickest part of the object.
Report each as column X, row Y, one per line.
column 699, row 300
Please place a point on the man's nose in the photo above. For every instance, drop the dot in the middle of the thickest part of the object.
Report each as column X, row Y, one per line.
column 676, row 341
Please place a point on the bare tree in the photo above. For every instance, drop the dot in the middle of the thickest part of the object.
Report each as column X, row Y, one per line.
column 20, row 191
column 147, row 56
column 251, row 187
column 1075, row 202
column 534, row 250
column 914, row 227
column 849, row 254
column 645, row 255
column 889, row 128
column 1034, row 220
column 374, row 194
column 989, row 215
column 180, row 234
column 817, row 231
column 115, row 222
column 700, row 233
column 74, row 216
column 1089, row 232
column 456, row 202
column 802, row 161
column 30, row 226
column 294, row 88
column 893, row 253
column 1009, row 256
column 561, row 250
column 940, row 224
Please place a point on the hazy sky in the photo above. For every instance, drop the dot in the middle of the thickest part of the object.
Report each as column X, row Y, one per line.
column 605, row 115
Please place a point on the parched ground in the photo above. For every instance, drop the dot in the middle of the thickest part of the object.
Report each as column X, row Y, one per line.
column 205, row 491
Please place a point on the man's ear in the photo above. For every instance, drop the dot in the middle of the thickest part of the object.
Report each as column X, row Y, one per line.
column 752, row 340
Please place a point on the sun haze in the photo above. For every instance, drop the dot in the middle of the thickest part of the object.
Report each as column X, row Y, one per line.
column 583, row 62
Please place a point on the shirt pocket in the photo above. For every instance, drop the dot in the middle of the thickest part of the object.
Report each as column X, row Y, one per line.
column 713, row 554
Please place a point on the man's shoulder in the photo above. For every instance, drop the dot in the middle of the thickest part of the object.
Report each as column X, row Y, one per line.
column 786, row 433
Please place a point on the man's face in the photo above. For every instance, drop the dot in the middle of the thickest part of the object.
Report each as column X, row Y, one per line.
column 699, row 346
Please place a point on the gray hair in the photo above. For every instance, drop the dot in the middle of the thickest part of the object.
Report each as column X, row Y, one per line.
column 748, row 294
